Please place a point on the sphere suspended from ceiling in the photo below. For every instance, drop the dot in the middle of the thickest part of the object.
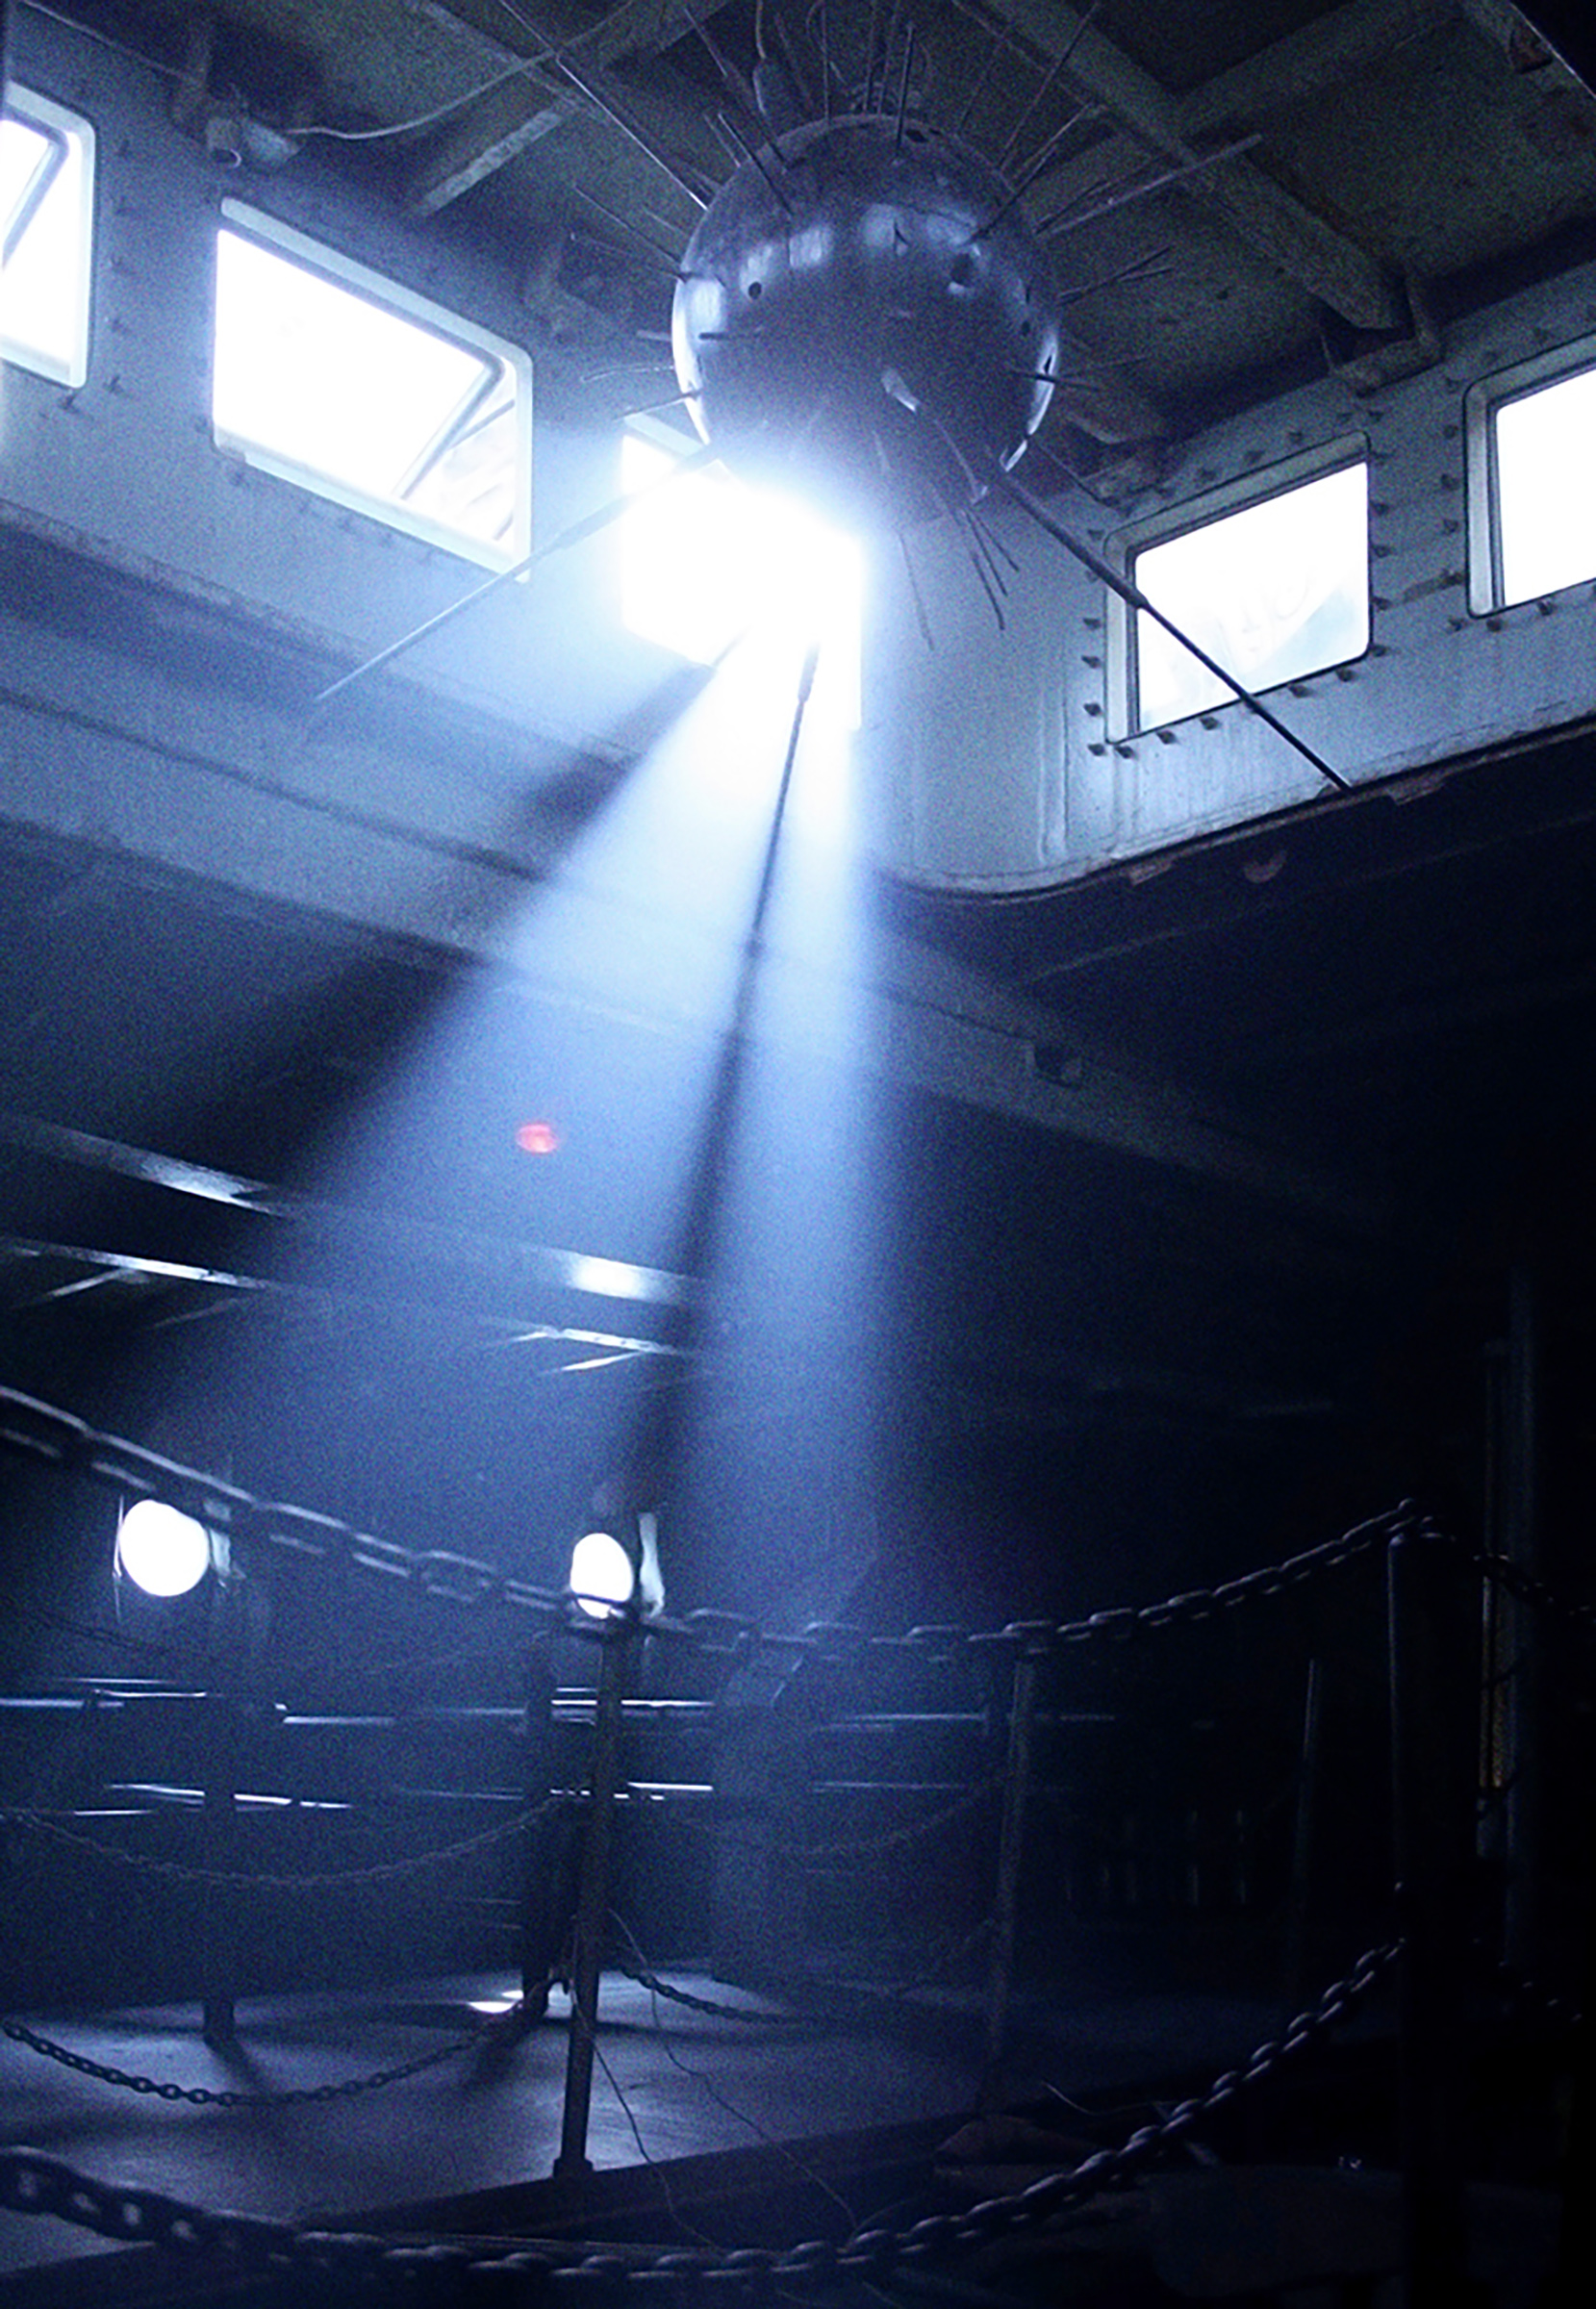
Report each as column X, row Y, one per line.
column 863, row 315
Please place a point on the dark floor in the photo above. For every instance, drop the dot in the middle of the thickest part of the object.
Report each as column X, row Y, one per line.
column 672, row 2084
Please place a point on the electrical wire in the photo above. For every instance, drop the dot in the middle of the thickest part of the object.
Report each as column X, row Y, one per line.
column 135, row 55
column 551, row 52
column 702, row 2077
column 688, row 2229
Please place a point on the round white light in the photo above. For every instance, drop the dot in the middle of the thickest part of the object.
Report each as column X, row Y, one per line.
column 162, row 1550
column 603, row 1576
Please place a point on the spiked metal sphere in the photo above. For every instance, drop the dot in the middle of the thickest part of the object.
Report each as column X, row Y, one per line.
column 863, row 315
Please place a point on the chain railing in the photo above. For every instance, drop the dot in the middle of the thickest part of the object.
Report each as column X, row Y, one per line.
column 258, row 1880
column 59, row 1439
column 43, row 1433
column 34, row 2183
column 210, row 2096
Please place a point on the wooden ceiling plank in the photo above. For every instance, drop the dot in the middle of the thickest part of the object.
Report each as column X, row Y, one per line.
column 1280, row 224
column 508, row 119
column 1308, row 64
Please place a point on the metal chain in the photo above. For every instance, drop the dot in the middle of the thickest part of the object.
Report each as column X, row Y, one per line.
column 819, row 1857
column 710, row 2007
column 207, row 2096
column 1524, row 1586
column 34, row 2183
column 41, row 1431
column 318, row 1880
column 1199, row 1604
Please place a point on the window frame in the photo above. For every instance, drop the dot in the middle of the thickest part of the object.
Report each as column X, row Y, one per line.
column 1257, row 486
column 1487, row 586
column 319, row 258
column 63, row 127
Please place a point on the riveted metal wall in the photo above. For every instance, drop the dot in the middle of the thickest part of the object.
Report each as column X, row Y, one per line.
column 1055, row 794
column 125, row 468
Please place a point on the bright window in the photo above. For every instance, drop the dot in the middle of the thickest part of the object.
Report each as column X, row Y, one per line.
column 327, row 375
column 47, row 229
column 1533, row 452
column 1274, row 588
column 706, row 559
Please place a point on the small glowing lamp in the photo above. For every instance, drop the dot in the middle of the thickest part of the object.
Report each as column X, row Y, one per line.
column 602, row 1575
column 164, row 1552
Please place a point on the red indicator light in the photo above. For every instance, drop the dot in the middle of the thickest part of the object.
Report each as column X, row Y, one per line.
column 538, row 1139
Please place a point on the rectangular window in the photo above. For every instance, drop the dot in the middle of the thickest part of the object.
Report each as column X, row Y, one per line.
column 706, row 559
column 47, row 236
column 1531, row 447
column 1273, row 584
column 327, row 375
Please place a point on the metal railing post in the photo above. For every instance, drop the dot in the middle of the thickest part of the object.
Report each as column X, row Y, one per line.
column 218, row 1814
column 1017, row 1773
column 1434, row 1640
column 614, row 1651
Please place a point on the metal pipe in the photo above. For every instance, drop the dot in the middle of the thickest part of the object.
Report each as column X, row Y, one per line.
column 1133, row 597
column 592, row 1901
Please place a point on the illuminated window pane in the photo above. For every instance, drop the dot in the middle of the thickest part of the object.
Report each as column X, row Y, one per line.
column 46, row 220
column 368, row 397
column 1274, row 591
column 1546, row 487
column 706, row 559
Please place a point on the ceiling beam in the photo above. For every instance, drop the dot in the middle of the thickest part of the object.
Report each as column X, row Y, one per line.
column 1308, row 64
column 238, row 1284
column 457, row 1251
column 923, row 1022
column 504, row 123
column 510, row 118
column 1280, row 225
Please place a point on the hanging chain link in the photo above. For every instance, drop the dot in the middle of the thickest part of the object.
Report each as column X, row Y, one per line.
column 316, row 1880
column 711, row 2007
column 33, row 2183
column 41, row 1431
column 1526, row 1589
column 841, row 1854
column 208, row 2097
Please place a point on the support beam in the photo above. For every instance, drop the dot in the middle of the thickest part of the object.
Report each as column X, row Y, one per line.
column 1276, row 223
column 511, row 119
column 1307, row 64
column 505, row 123
column 174, row 779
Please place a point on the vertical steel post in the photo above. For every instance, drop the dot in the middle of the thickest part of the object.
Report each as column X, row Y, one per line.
column 1022, row 1719
column 1433, row 1637
column 1573, row 2285
column 1301, row 1895
column 218, row 1954
column 540, row 1849
column 1520, row 1540
column 614, row 1653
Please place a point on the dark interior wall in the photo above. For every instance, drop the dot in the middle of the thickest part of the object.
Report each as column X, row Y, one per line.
column 1048, row 1378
